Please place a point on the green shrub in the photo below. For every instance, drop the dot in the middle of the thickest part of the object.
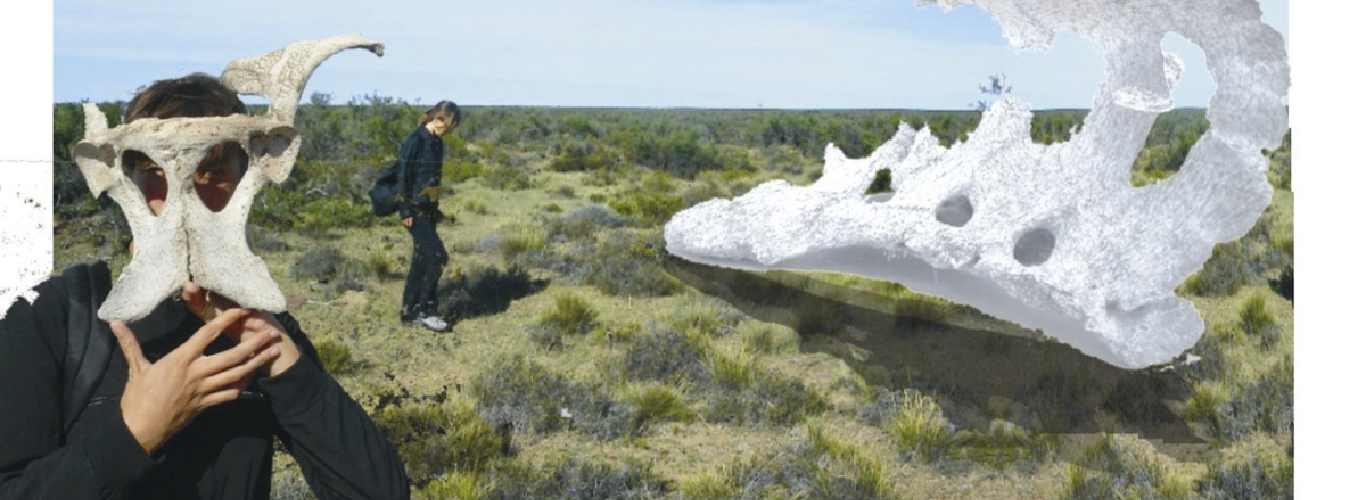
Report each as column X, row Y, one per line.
column 710, row 487
column 707, row 316
column 732, row 371
column 919, row 429
column 455, row 486
column 769, row 338
column 513, row 242
column 577, row 479
column 650, row 208
column 461, row 171
column 434, row 441
column 1264, row 473
column 582, row 224
column 882, row 182
column 477, row 207
column 597, row 198
column 336, row 357
column 760, row 397
column 1266, row 405
column 817, row 468
column 1005, row 444
column 526, row 396
column 328, row 266
column 664, row 354
column 623, row 264
column 508, row 178
column 1123, row 467
column 1258, row 322
column 379, row 264
column 659, row 403
column 571, row 316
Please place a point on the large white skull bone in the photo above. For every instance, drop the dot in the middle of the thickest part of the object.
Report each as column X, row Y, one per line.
column 1052, row 237
column 189, row 242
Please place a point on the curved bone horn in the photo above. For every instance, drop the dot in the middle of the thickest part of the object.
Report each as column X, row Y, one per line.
column 280, row 75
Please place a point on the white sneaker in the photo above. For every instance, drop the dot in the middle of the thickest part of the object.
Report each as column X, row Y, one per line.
column 433, row 323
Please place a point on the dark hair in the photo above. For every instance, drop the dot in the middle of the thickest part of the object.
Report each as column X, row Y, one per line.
column 196, row 95
column 447, row 111
column 192, row 96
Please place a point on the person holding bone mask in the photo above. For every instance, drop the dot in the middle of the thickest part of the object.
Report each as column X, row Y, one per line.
column 422, row 153
column 191, row 407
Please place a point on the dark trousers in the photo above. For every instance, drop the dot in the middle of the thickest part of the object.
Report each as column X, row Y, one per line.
column 429, row 258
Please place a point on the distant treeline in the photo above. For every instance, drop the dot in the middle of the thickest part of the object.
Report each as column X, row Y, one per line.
column 365, row 132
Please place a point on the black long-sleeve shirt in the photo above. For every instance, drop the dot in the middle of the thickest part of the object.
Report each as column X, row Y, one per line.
column 224, row 453
column 421, row 153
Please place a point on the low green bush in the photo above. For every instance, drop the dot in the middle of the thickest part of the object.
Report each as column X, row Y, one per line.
column 336, row 357
column 818, row 467
column 436, row 440
column 526, row 396
column 570, row 316
column 1123, row 467
column 1258, row 322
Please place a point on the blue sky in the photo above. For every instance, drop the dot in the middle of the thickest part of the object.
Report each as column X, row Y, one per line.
column 696, row 53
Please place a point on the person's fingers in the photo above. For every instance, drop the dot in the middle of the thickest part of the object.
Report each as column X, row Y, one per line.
column 219, row 397
column 237, row 355
column 195, row 299
column 128, row 343
column 210, row 331
column 235, row 376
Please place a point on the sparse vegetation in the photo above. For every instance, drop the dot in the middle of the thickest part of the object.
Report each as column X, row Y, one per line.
column 817, row 467
column 658, row 366
column 437, row 440
column 571, row 316
column 1258, row 322
column 1121, row 466
column 529, row 398
column 337, row 358
column 329, row 267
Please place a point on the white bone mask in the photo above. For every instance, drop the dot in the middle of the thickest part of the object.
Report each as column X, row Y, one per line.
column 1052, row 237
column 189, row 242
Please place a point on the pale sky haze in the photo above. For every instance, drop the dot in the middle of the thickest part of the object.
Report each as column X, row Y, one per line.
column 653, row 53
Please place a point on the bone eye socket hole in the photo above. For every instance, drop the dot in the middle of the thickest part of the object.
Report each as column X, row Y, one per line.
column 147, row 175
column 1034, row 247
column 218, row 173
column 955, row 211
column 880, row 189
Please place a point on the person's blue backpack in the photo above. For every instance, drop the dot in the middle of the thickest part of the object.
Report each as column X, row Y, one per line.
column 387, row 195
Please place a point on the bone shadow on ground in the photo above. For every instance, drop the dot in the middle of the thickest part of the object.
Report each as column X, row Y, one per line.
column 1070, row 392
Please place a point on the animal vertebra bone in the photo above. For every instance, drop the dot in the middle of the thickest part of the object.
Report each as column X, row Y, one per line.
column 189, row 242
column 1052, row 237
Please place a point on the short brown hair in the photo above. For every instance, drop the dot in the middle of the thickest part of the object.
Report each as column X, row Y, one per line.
column 447, row 111
column 194, row 96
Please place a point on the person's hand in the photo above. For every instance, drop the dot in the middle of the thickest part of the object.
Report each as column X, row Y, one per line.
column 208, row 306
column 160, row 398
column 408, row 222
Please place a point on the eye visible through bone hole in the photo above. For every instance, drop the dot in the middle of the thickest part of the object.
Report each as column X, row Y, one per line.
column 148, row 176
column 1034, row 247
column 218, row 173
column 955, row 211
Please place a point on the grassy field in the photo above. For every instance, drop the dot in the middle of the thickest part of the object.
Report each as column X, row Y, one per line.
column 585, row 362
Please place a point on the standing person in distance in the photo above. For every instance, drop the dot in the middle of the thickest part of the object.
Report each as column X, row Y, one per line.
column 420, row 175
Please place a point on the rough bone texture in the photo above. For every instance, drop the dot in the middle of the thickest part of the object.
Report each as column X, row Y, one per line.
column 188, row 242
column 1052, row 237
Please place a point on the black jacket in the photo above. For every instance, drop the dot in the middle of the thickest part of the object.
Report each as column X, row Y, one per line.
column 421, row 154
column 224, row 453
